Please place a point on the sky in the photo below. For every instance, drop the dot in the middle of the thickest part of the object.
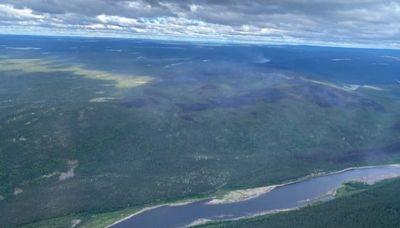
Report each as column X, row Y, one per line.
column 363, row 23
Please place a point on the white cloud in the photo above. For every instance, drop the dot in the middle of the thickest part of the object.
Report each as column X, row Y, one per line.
column 117, row 20
column 24, row 13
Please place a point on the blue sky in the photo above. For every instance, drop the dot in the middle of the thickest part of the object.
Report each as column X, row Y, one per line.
column 364, row 23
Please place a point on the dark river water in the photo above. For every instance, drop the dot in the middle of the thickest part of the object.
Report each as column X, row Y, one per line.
column 282, row 197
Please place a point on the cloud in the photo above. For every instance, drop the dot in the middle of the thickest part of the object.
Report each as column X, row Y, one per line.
column 329, row 22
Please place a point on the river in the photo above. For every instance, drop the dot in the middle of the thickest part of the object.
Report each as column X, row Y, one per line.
column 283, row 197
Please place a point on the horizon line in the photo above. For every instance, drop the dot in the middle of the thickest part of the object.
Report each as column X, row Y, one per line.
column 208, row 40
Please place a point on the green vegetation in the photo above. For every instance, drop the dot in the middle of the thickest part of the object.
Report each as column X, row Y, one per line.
column 136, row 146
column 374, row 206
column 350, row 188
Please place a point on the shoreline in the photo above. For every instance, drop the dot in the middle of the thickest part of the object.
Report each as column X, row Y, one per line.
column 178, row 203
column 205, row 221
column 253, row 193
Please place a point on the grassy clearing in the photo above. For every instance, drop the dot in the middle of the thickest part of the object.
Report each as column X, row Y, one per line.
column 51, row 66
